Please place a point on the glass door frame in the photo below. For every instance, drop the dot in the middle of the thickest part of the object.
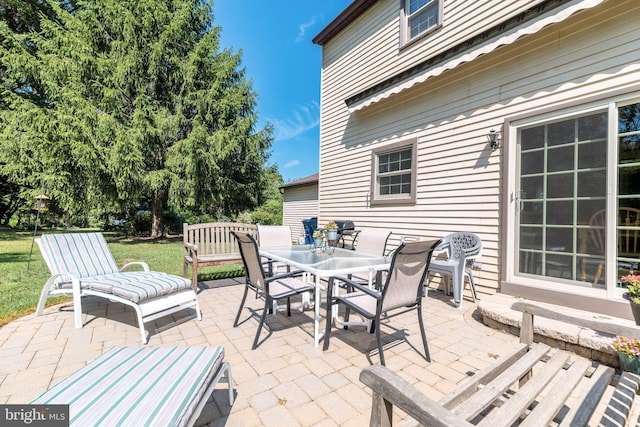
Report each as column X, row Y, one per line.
column 512, row 201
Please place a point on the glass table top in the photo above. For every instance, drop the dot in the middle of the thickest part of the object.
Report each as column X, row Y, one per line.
column 343, row 260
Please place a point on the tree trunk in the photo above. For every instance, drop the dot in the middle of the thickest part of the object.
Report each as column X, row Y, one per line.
column 157, row 208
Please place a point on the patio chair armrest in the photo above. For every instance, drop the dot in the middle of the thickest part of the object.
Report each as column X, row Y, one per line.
column 144, row 265
column 389, row 389
column 283, row 275
column 358, row 286
column 442, row 246
column 52, row 280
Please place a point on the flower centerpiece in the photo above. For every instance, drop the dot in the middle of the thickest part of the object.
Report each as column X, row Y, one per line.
column 332, row 230
column 317, row 238
column 628, row 353
column 632, row 283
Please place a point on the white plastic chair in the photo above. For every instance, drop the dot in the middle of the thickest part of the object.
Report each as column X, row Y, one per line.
column 462, row 249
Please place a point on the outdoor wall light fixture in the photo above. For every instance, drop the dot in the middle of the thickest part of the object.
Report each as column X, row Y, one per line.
column 494, row 138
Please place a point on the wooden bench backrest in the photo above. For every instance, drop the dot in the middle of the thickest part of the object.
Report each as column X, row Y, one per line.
column 215, row 238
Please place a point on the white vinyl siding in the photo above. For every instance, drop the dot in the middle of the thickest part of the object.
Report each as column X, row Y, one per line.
column 459, row 177
column 299, row 203
column 377, row 34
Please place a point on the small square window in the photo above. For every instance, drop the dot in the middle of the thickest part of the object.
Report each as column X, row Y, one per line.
column 393, row 180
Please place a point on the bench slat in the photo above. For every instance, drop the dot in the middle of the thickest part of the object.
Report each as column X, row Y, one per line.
column 597, row 322
column 546, row 410
column 513, row 407
column 476, row 403
column 470, row 385
column 590, row 398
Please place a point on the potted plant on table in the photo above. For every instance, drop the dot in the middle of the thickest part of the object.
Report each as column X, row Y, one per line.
column 628, row 353
column 332, row 230
column 317, row 238
column 632, row 283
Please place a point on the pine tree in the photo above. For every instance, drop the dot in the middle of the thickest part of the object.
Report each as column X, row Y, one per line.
column 132, row 103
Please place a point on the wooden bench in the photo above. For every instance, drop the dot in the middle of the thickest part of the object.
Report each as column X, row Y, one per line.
column 531, row 385
column 211, row 244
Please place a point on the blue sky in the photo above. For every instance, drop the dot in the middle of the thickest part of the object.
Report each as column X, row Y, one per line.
column 284, row 66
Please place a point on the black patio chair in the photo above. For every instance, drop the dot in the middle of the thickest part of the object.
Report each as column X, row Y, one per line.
column 402, row 290
column 271, row 288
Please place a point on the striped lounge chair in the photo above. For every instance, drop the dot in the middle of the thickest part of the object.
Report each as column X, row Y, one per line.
column 81, row 264
column 144, row 386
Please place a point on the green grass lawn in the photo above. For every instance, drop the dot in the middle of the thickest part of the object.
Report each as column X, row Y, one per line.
column 22, row 281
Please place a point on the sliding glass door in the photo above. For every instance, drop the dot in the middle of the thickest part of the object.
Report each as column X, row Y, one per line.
column 564, row 176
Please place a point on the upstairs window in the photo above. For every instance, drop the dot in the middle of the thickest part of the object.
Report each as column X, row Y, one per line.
column 393, row 180
column 419, row 17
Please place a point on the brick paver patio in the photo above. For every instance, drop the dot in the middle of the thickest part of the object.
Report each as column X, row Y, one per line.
column 285, row 382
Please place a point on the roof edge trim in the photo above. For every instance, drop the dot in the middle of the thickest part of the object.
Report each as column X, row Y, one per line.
column 346, row 17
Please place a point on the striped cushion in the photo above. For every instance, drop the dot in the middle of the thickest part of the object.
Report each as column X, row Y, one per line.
column 84, row 254
column 137, row 286
column 138, row 386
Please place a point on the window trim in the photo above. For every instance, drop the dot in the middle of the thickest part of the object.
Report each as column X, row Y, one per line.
column 405, row 38
column 410, row 199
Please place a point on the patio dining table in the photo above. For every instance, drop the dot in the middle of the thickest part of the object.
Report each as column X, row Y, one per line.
column 324, row 264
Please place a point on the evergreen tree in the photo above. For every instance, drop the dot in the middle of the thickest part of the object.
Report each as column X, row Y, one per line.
column 132, row 102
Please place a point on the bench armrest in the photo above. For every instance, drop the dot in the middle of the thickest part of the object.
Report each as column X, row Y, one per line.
column 389, row 389
column 190, row 247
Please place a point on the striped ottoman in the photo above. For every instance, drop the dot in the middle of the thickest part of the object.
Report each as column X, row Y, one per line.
column 128, row 386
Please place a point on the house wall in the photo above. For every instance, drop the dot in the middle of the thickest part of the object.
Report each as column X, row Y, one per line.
column 373, row 40
column 459, row 182
column 299, row 203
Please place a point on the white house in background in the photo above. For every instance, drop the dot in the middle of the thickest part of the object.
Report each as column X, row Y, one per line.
column 300, row 202
column 411, row 89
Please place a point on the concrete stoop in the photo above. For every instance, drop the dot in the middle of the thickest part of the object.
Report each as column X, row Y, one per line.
column 496, row 313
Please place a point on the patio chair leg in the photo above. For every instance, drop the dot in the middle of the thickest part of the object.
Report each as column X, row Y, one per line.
column 472, row 286
column 424, row 335
column 327, row 333
column 262, row 319
column 289, row 306
column 244, row 297
column 347, row 310
column 379, row 339
column 44, row 295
